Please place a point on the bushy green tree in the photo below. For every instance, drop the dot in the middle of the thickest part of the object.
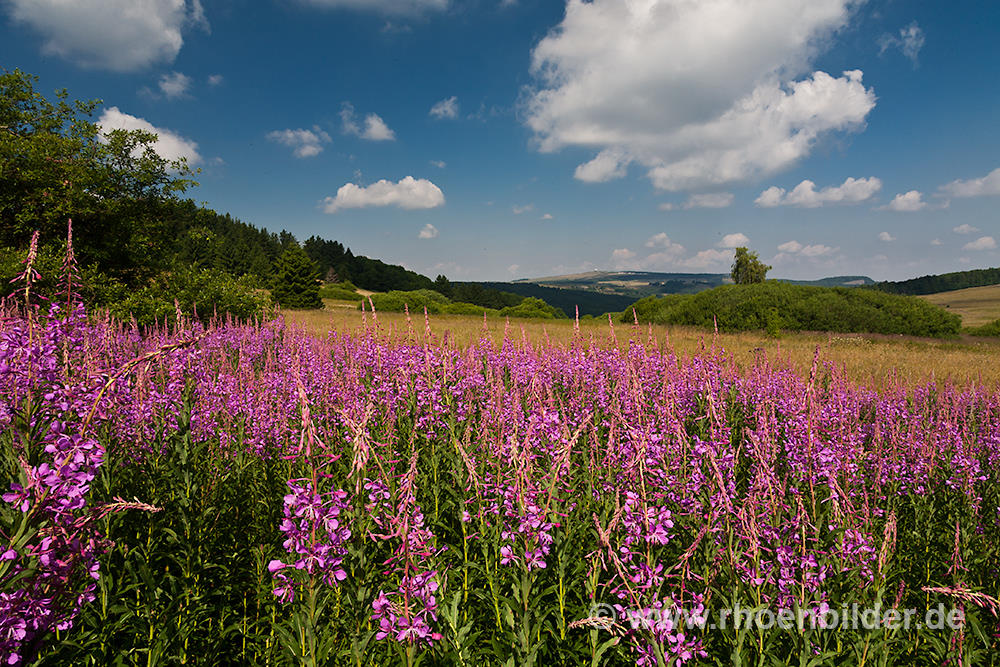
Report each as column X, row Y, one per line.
column 747, row 268
column 55, row 164
column 296, row 280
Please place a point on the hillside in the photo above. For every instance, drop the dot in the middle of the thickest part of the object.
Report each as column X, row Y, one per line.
column 976, row 305
column 645, row 283
column 944, row 282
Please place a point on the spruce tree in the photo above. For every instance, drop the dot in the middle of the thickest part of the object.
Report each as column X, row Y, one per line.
column 296, row 283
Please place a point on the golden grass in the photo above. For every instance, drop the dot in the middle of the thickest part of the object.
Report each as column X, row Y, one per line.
column 976, row 305
column 871, row 360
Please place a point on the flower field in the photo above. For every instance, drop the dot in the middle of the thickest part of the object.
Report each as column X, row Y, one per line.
column 247, row 493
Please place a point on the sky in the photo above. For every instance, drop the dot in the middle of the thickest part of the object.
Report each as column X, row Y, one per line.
column 503, row 139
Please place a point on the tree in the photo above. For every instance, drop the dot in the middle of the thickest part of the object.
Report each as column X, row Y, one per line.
column 747, row 268
column 57, row 164
column 296, row 282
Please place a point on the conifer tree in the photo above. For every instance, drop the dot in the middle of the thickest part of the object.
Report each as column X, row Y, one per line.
column 296, row 283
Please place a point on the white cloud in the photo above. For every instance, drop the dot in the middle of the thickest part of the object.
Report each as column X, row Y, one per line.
column 805, row 194
column 619, row 254
column 907, row 202
column 976, row 187
column 909, row 41
column 936, row 242
column 408, row 193
column 375, row 128
column 440, row 164
column 733, row 241
column 119, row 35
column 982, row 243
column 698, row 93
column 711, row 200
column 965, row 228
column 518, row 210
column 307, row 143
column 663, row 241
column 446, row 108
column 215, row 79
column 546, row 216
column 513, row 268
column 429, row 231
column 706, row 259
column 383, row 6
column 793, row 247
column 886, row 236
column 174, row 85
column 667, row 206
column 607, row 165
column 169, row 146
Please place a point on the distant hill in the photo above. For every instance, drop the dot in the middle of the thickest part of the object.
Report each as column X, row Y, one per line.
column 976, row 305
column 567, row 300
column 646, row 283
column 944, row 282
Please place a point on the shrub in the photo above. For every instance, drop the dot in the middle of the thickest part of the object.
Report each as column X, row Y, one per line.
column 535, row 308
column 337, row 292
column 990, row 329
column 773, row 305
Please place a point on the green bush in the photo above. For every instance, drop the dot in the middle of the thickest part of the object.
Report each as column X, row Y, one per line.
column 990, row 329
column 415, row 300
column 772, row 306
column 534, row 308
column 205, row 291
column 337, row 292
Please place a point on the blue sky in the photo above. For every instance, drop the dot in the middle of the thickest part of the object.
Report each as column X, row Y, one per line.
column 493, row 139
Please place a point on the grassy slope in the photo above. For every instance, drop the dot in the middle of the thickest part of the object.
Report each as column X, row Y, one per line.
column 976, row 305
column 872, row 360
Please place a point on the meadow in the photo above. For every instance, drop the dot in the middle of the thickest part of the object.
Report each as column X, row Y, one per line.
column 401, row 492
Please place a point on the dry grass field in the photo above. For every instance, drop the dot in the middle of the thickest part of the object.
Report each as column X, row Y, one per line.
column 976, row 305
column 872, row 360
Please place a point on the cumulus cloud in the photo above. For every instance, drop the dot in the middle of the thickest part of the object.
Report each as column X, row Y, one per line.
column 607, row 165
column 805, row 194
column 793, row 247
column 215, row 79
column 306, row 143
column 408, row 193
column 736, row 240
column 910, row 40
column 119, row 35
column 664, row 245
column 429, row 231
column 518, row 210
column 440, row 164
column 706, row 259
column 907, row 202
column 965, row 228
column 976, row 187
column 446, row 108
column 622, row 253
column 383, row 6
column 174, row 85
column 936, row 242
column 716, row 92
column 374, row 128
column 886, row 236
column 546, row 216
column 982, row 243
column 169, row 145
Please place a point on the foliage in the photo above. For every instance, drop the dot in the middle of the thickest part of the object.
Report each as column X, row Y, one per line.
column 747, row 268
column 774, row 305
column 989, row 329
column 532, row 307
column 944, row 282
column 340, row 291
column 296, row 281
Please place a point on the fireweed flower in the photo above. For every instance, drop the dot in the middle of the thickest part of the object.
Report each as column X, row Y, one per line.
column 315, row 538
